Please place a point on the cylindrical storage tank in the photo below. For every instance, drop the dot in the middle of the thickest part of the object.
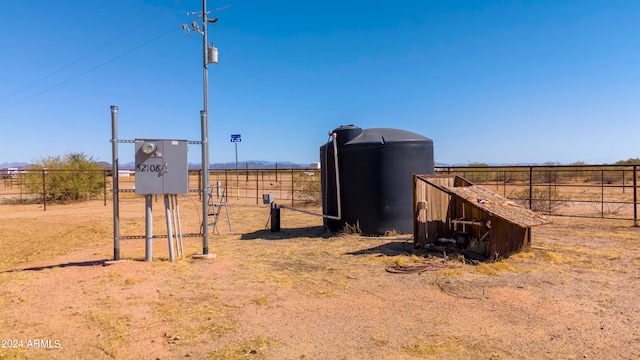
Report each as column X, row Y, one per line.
column 375, row 173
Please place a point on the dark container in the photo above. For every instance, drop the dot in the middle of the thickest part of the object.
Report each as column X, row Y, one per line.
column 375, row 168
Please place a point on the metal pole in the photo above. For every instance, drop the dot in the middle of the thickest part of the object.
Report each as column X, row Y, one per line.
column 635, row 196
column 104, row 183
column 148, row 227
column 237, row 178
column 549, row 191
column 602, row 196
column 167, row 214
column 530, row 187
column 205, row 185
column 200, row 184
column 205, row 134
column 44, row 190
column 114, row 172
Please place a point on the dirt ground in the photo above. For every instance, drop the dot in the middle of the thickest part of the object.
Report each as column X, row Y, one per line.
column 304, row 293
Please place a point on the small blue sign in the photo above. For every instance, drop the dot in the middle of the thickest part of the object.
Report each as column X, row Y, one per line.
column 236, row 138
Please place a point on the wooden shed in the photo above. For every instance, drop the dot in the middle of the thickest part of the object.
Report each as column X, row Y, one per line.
column 451, row 209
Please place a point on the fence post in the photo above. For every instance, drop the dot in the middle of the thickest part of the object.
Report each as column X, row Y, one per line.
column 530, row 187
column 602, row 194
column 44, row 190
column 104, row 180
column 504, row 183
column 549, row 190
column 200, row 184
column 258, row 184
column 292, row 189
column 20, row 185
column 635, row 196
column 276, row 172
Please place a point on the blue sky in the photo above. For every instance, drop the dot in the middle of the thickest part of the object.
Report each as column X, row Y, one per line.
column 489, row 81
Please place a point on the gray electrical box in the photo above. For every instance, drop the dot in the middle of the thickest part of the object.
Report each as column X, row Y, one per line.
column 161, row 167
column 267, row 198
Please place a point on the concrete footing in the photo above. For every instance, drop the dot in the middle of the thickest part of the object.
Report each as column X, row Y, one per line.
column 204, row 256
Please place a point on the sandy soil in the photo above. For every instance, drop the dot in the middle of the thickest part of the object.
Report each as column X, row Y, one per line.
column 306, row 293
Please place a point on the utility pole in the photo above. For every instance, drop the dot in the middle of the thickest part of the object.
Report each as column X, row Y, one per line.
column 205, row 135
column 209, row 55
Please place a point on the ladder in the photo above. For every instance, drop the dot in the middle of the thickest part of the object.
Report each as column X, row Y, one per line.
column 218, row 200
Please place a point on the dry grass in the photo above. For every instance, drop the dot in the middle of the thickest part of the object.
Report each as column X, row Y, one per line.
column 189, row 309
column 114, row 325
column 192, row 313
column 496, row 268
column 442, row 346
column 252, row 348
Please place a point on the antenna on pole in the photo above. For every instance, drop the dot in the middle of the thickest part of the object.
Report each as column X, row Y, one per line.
column 209, row 56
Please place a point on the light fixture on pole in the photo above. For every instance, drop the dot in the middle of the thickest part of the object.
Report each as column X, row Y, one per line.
column 209, row 56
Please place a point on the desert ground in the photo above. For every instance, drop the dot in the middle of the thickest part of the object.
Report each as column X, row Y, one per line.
column 306, row 293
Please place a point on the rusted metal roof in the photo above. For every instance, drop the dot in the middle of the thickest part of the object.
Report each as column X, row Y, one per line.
column 496, row 205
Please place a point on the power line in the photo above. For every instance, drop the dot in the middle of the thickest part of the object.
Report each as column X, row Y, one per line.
column 92, row 69
column 79, row 59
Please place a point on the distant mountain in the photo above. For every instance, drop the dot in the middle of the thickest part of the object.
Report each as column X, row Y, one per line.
column 18, row 165
column 251, row 164
column 487, row 164
column 254, row 164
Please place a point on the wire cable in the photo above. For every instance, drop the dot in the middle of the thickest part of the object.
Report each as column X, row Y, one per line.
column 91, row 70
column 82, row 57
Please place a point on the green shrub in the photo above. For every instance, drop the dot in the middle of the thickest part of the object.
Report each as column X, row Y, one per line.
column 73, row 176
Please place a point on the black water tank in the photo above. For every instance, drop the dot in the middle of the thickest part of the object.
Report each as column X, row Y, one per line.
column 376, row 168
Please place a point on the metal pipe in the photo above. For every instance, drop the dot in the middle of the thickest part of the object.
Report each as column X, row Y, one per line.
column 114, row 174
column 175, row 224
column 530, row 187
column 635, row 196
column 167, row 212
column 237, row 178
column 179, row 226
column 205, row 184
column 148, row 244
column 44, row 190
column 104, row 188
column 602, row 196
column 205, row 134
column 335, row 158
